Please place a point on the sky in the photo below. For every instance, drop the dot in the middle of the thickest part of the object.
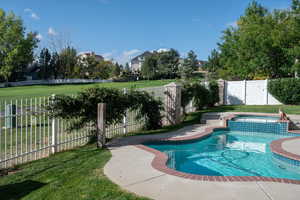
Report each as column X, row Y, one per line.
column 122, row 29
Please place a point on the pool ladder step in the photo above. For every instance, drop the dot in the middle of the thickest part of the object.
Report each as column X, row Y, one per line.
column 211, row 119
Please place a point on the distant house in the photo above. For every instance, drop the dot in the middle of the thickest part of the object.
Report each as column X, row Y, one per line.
column 137, row 62
column 201, row 64
column 84, row 55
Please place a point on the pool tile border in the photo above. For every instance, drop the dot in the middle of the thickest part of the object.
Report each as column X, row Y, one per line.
column 160, row 160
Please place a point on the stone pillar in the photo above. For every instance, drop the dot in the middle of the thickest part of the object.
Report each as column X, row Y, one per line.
column 221, row 84
column 172, row 104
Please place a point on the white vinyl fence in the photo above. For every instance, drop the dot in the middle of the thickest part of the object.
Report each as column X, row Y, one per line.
column 53, row 82
column 248, row 93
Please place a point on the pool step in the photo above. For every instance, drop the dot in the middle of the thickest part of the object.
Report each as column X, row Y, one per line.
column 211, row 119
column 294, row 125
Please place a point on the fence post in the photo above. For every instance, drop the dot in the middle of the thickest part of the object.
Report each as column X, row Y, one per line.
column 125, row 117
column 221, row 84
column 245, row 92
column 53, row 132
column 266, row 89
column 172, row 104
column 101, row 118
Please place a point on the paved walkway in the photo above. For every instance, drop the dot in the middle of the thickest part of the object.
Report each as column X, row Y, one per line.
column 292, row 146
column 130, row 167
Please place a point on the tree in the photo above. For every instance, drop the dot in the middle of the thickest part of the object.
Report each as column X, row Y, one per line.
column 103, row 70
column 16, row 47
column 127, row 68
column 189, row 65
column 213, row 63
column 168, row 63
column 149, row 68
column 45, row 64
column 116, row 70
column 55, row 65
column 263, row 45
column 68, row 61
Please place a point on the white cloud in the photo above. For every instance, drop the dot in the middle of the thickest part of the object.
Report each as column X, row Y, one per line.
column 233, row 24
column 126, row 56
column 52, row 32
column 27, row 10
column 121, row 57
column 32, row 14
column 35, row 16
column 107, row 55
column 131, row 52
column 39, row 36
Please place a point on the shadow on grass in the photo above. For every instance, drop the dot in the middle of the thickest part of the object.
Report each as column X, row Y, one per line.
column 19, row 190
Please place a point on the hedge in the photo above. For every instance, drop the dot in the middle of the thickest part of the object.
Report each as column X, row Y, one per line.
column 287, row 90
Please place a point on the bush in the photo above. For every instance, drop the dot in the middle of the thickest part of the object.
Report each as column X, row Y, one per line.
column 187, row 94
column 201, row 96
column 82, row 109
column 287, row 90
column 214, row 93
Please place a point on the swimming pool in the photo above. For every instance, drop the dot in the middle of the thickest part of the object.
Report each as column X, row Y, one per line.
column 256, row 118
column 229, row 152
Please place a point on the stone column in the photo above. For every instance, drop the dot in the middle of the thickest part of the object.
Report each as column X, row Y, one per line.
column 172, row 104
column 221, row 84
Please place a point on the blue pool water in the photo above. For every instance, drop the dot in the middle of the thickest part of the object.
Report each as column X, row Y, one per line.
column 228, row 153
column 255, row 118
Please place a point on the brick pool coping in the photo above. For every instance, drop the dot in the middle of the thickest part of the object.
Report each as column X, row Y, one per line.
column 160, row 160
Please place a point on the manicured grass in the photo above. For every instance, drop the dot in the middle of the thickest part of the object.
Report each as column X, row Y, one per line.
column 75, row 174
column 47, row 90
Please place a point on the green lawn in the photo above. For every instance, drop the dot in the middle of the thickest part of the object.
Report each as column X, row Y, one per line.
column 75, row 174
column 47, row 90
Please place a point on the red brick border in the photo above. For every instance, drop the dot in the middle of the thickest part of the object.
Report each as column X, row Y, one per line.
column 276, row 147
column 160, row 160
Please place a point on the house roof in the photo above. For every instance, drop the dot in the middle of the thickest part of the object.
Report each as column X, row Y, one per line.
column 90, row 53
column 146, row 53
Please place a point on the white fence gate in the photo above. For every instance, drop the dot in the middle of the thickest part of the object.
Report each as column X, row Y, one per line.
column 248, row 93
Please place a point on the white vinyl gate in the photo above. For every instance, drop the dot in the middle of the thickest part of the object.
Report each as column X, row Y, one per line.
column 248, row 93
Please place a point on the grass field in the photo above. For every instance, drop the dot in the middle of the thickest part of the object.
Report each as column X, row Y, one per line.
column 75, row 174
column 47, row 90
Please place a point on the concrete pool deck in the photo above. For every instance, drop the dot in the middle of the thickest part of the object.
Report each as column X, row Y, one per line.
column 131, row 168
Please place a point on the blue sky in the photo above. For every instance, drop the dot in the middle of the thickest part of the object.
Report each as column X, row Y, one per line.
column 121, row 29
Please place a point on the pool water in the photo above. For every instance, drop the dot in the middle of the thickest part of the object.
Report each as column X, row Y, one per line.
column 255, row 118
column 228, row 153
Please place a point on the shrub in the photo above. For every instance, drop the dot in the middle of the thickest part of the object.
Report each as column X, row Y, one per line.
column 214, row 93
column 287, row 90
column 201, row 96
column 82, row 109
column 187, row 94
column 148, row 107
